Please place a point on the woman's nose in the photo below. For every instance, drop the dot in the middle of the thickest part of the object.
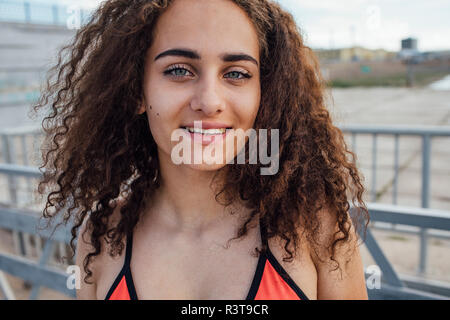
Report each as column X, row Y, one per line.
column 207, row 98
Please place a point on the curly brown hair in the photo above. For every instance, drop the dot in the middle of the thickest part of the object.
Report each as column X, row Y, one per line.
column 99, row 149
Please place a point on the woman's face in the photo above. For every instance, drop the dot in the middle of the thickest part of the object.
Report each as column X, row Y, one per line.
column 203, row 65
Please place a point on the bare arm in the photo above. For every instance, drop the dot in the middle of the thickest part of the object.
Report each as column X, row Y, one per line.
column 347, row 283
column 86, row 291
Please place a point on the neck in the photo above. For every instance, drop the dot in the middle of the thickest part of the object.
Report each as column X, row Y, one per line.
column 185, row 202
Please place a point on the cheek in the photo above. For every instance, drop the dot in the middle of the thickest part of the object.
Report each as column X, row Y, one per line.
column 162, row 106
column 160, row 123
column 248, row 107
column 163, row 117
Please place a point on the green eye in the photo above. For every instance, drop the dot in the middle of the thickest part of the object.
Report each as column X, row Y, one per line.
column 179, row 72
column 235, row 73
column 244, row 75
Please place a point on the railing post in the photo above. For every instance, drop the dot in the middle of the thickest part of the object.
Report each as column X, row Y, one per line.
column 7, row 152
column 5, row 288
column 8, row 158
column 23, row 140
column 396, row 156
column 426, row 140
column 426, row 150
column 46, row 253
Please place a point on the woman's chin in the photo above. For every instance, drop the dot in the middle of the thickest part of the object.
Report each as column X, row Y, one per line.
column 205, row 162
column 205, row 166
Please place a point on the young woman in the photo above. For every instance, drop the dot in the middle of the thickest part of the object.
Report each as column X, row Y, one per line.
column 151, row 228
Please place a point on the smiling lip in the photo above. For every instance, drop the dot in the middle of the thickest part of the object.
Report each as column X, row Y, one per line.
column 207, row 139
column 208, row 125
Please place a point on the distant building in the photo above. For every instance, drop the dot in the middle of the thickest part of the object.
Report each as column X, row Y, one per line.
column 354, row 54
column 409, row 44
column 409, row 51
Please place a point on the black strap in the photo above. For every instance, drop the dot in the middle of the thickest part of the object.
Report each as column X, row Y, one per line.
column 129, row 247
column 263, row 231
column 126, row 271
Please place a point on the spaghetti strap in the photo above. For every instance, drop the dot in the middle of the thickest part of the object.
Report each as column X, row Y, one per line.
column 263, row 231
column 123, row 286
column 129, row 247
column 270, row 280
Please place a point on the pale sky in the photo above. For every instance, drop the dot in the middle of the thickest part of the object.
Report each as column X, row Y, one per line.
column 369, row 23
column 373, row 23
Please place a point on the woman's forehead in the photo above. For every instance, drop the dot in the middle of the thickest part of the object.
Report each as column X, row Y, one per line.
column 209, row 27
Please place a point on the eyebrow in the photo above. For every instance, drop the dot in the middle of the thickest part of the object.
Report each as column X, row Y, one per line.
column 192, row 54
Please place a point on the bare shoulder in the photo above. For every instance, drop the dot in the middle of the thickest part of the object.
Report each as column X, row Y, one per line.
column 347, row 281
column 96, row 266
column 312, row 268
column 328, row 232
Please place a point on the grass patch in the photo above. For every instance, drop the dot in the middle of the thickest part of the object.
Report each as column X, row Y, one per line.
column 425, row 78
column 397, row 237
column 437, row 242
column 388, row 81
column 421, row 79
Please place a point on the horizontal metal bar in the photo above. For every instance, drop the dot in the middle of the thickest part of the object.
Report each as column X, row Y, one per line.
column 28, row 222
column 15, row 131
column 388, row 292
column 437, row 234
column 18, row 170
column 19, row 69
column 431, row 286
column 49, row 277
column 411, row 216
column 397, row 129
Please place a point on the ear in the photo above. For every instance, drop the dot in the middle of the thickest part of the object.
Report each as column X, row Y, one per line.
column 142, row 108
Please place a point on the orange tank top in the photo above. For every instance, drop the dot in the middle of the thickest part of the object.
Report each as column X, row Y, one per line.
column 270, row 280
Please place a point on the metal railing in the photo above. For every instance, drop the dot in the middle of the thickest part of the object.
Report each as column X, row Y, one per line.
column 39, row 13
column 394, row 286
column 37, row 273
column 24, row 224
column 19, row 146
column 426, row 133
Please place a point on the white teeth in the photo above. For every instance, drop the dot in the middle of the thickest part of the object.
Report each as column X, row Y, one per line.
column 207, row 131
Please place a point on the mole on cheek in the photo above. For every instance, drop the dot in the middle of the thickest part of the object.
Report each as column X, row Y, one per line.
column 157, row 114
